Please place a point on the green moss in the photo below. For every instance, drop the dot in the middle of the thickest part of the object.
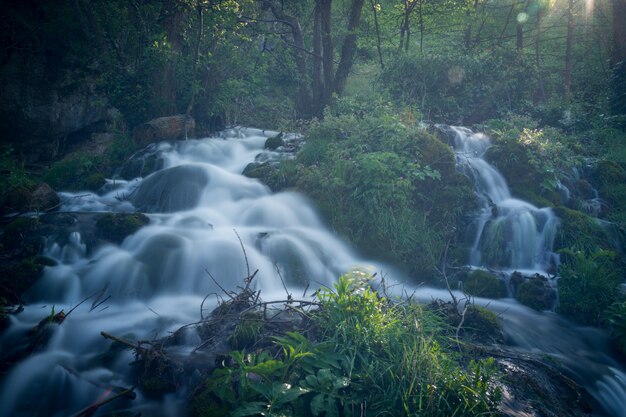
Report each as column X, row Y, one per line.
column 606, row 173
column 536, row 293
column 580, row 232
column 18, row 276
column 94, row 181
column 482, row 323
column 484, row 284
column 117, row 226
column 14, row 234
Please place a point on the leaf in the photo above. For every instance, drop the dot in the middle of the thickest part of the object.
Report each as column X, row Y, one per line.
column 251, row 409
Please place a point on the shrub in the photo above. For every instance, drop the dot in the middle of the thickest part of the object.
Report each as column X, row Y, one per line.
column 382, row 184
column 355, row 362
column 459, row 89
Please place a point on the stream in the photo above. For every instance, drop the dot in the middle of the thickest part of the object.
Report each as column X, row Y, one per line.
column 207, row 220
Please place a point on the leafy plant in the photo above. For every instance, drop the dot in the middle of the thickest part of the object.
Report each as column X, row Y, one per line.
column 588, row 285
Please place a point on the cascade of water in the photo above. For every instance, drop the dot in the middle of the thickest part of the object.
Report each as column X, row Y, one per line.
column 509, row 233
column 157, row 277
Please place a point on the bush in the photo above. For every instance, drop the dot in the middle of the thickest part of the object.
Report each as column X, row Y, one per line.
column 588, row 286
column 459, row 89
column 355, row 362
column 382, row 184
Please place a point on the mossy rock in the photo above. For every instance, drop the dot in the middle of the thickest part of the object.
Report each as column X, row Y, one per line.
column 484, row 284
column 606, row 173
column 536, row 293
column 117, row 226
column 436, row 154
column 274, row 142
column 17, row 231
column 94, row 181
column 18, row 276
column 579, row 231
column 257, row 170
column 482, row 323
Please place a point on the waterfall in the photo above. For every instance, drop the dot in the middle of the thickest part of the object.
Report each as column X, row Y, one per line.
column 509, row 234
column 155, row 280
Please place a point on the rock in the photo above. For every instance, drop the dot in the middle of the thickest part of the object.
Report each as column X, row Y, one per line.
column 481, row 283
column 44, row 198
column 164, row 128
column 534, row 389
column 43, row 107
column 117, row 226
column 173, row 189
column 535, row 292
column 274, row 142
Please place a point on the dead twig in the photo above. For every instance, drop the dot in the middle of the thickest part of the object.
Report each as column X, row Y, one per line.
column 244, row 251
column 89, row 411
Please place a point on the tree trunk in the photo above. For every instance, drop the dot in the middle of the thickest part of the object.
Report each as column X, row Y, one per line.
column 618, row 52
column 328, row 55
column 567, row 77
column 194, row 88
column 348, row 48
column 540, row 94
column 318, row 81
column 380, row 55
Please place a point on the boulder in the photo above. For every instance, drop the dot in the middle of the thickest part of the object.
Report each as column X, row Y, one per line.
column 117, row 226
column 164, row 128
column 534, row 292
column 44, row 198
column 172, row 189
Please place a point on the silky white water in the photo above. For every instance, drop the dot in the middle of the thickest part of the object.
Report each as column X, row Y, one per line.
column 155, row 280
column 509, row 234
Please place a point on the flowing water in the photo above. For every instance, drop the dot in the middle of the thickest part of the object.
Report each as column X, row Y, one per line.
column 508, row 233
column 202, row 211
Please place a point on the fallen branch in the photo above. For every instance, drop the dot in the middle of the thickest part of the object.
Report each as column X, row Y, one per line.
column 89, row 411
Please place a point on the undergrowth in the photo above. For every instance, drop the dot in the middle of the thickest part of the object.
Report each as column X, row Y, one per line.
column 364, row 354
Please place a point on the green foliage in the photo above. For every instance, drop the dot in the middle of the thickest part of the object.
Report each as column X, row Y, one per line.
column 15, row 183
column 532, row 160
column 70, row 173
column 381, row 181
column 615, row 320
column 247, row 331
column 459, row 88
column 580, row 232
column 356, row 363
column 588, row 285
column 484, row 284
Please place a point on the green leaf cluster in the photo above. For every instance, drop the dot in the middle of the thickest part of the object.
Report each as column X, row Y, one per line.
column 385, row 183
column 370, row 354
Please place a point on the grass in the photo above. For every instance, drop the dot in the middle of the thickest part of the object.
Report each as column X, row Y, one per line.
column 349, row 361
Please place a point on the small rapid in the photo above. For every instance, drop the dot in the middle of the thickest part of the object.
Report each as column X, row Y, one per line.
column 509, row 233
